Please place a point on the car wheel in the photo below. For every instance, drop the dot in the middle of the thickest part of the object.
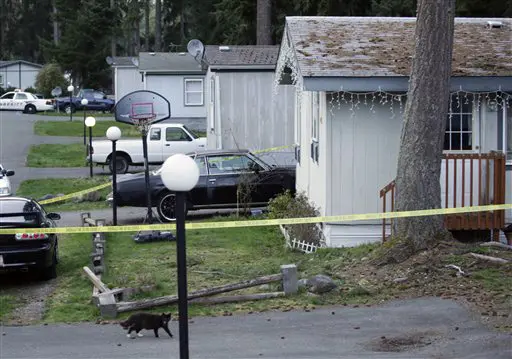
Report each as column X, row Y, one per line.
column 122, row 164
column 31, row 109
column 69, row 109
column 51, row 271
column 166, row 207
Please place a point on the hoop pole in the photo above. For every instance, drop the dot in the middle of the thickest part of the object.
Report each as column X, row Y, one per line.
column 144, row 134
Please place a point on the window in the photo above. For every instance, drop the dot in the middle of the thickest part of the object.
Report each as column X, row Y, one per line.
column 155, row 134
column 298, row 125
column 21, row 96
column 176, row 134
column 201, row 163
column 1, row 80
column 315, row 125
column 8, row 96
column 231, row 164
column 459, row 134
column 193, row 92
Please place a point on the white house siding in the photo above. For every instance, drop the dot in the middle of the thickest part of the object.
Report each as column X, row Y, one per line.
column 312, row 176
column 127, row 79
column 15, row 73
column 172, row 87
column 245, row 113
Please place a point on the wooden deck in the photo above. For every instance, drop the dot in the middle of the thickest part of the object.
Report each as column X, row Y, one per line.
column 466, row 180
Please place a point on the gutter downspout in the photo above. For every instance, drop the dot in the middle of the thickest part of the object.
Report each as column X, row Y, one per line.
column 217, row 111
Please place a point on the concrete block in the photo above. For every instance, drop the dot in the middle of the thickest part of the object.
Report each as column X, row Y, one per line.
column 290, row 279
column 107, row 304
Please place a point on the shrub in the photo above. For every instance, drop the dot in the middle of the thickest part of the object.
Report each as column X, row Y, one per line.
column 288, row 206
column 31, row 90
column 49, row 77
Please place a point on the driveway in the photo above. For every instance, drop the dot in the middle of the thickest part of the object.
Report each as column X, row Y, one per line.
column 420, row 328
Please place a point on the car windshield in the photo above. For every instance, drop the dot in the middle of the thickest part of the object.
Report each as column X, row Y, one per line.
column 18, row 212
column 194, row 133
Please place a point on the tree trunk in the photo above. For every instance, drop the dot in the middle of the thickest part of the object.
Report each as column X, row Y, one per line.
column 113, row 40
column 55, row 24
column 263, row 22
column 146, row 25
column 422, row 138
column 158, row 25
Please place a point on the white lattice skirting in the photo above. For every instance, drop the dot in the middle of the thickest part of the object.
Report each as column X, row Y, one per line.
column 302, row 246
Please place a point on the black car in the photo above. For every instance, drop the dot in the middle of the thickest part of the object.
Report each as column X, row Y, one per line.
column 28, row 250
column 222, row 174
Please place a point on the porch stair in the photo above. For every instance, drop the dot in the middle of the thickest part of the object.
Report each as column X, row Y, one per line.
column 466, row 180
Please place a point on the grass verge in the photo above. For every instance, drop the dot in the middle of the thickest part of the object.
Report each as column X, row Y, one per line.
column 7, row 304
column 53, row 155
column 76, row 128
column 214, row 258
column 71, row 299
column 37, row 188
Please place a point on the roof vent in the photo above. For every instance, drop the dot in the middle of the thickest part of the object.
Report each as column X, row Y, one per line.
column 494, row 24
column 224, row 48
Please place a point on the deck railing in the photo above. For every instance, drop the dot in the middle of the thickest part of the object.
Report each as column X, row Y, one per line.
column 466, row 180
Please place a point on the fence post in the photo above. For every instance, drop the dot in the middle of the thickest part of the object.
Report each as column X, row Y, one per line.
column 290, row 281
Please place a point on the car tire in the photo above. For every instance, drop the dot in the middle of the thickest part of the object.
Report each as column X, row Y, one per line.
column 51, row 271
column 69, row 109
column 166, row 207
column 122, row 164
column 30, row 109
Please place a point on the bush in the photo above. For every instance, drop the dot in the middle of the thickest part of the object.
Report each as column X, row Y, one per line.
column 288, row 206
column 31, row 90
column 49, row 77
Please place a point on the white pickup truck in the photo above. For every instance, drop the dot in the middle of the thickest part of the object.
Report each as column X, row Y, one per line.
column 164, row 140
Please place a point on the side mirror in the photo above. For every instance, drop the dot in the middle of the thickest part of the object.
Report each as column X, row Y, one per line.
column 53, row 216
column 9, row 173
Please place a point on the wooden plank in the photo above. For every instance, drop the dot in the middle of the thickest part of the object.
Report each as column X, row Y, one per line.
column 237, row 298
column 95, row 280
column 171, row 299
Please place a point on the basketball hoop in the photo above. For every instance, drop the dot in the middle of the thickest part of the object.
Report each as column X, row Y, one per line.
column 142, row 115
column 143, row 123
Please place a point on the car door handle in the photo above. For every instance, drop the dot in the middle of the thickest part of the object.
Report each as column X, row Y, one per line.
column 167, row 144
column 212, row 180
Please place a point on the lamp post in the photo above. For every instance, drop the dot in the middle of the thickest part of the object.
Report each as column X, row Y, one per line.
column 90, row 122
column 71, row 88
column 180, row 174
column 114, row 134
column 84, row 103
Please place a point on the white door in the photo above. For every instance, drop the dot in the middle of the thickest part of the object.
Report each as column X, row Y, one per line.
column 155, row 142
column 176, row 141
column 20, row 99
column 6, row 101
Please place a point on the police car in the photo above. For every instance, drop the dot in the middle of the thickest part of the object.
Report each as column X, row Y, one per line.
column 5, row 184
column 18, row 100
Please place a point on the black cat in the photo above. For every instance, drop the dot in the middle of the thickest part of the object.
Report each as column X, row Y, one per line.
column 138, row 321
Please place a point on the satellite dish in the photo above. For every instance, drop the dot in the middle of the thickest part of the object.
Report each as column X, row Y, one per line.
column 195, row 48
column 56, row 92
column 109, row 60
column 135, row 61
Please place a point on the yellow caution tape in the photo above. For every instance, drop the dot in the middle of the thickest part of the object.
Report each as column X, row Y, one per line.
column 261, row 222
column 73, row 195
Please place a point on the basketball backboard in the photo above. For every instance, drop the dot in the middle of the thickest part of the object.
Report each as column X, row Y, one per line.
column 142, row 104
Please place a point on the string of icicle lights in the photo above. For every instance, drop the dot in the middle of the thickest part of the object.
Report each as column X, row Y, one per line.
column 379, row 97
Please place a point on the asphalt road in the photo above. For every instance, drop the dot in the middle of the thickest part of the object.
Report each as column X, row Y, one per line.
column 421, row 328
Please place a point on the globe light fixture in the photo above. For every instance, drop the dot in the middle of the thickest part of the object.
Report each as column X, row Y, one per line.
column 114, row 134
column 180, row 174
column 90, row 122
column 84, row 103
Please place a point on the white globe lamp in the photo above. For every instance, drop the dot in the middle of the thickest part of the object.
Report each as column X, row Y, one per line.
column 113, row 133
column 71, row 88
column 84, row 101
column 180, row 173
column 90, row 121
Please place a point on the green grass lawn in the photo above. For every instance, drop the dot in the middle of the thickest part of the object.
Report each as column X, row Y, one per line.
column 37, row 188
column 53, row 155
column 7, row 304
column 214, row 258
column 76, row 128
column 76, row 115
